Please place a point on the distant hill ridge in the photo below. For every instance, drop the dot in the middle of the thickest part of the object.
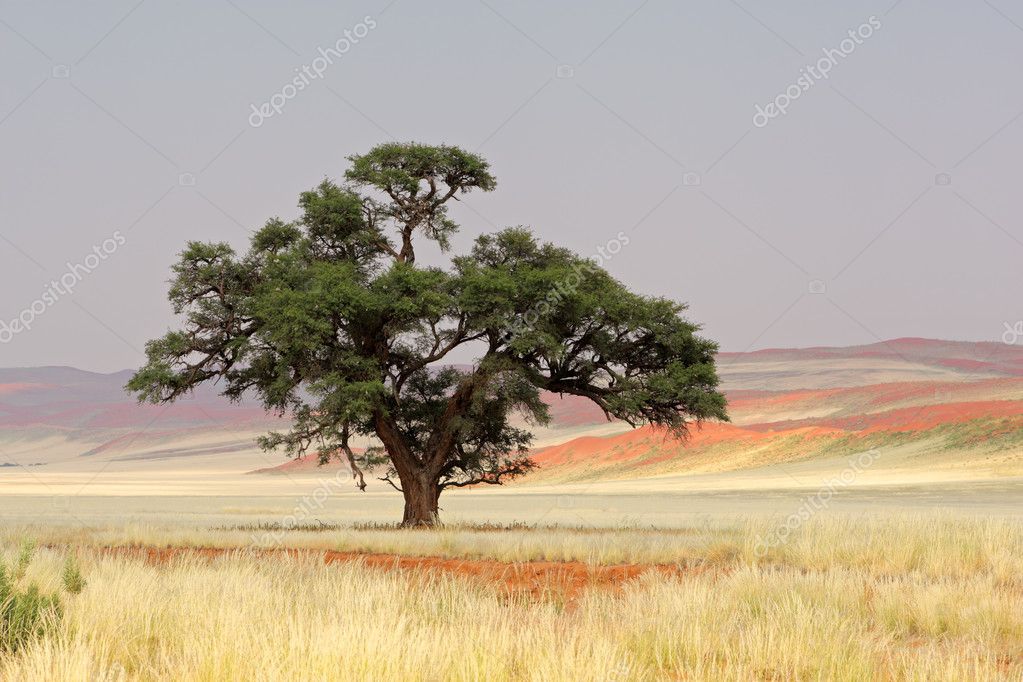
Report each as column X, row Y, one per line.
column 824, row 394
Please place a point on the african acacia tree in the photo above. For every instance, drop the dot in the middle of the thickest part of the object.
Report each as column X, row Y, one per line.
column 330, row 320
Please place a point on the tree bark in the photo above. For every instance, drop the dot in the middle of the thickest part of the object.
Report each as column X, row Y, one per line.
column 420, row 483
column 421, row 496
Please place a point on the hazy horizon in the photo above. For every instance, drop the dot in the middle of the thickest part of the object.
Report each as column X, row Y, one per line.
column 722, row 351
column 879, row 206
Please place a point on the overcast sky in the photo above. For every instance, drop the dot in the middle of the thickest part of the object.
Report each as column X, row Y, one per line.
column 885, row 200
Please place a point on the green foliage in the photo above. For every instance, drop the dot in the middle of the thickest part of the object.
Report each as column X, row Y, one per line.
column 416, row 181
column 25, row 553
column 329, row 320
column 71, row 577
column 25, row 613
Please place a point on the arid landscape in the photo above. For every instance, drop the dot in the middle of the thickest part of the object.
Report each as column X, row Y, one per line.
column 921, row 600
column 935, row 413
column 601, row 341
column 766, row 548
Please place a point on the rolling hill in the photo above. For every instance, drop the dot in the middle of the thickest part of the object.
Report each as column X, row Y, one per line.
column 938, row 406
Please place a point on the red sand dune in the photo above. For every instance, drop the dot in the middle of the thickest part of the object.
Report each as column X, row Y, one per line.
column 638, row 443
column 573, row 410
column 987, row 382
column 874, row 397
column 909, row 418
column 648, row 446
column 997, row 358
column 6, row 389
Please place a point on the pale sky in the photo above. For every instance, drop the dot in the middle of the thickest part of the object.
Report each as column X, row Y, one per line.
column 884, row 202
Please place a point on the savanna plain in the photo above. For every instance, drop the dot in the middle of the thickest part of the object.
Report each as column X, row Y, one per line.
column 861, row 523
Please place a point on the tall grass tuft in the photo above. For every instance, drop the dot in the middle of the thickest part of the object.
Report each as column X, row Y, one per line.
column 26, row 613
column 71, row 576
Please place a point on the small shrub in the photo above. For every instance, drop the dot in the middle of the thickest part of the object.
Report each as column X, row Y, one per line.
column 72, row 578
column 28, row 549
column 27, row 613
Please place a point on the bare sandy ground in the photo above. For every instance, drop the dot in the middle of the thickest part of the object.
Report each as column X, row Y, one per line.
column 660, row 503
column 110, row 469
column 200, row 490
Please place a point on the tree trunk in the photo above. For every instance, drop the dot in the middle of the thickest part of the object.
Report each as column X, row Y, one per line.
column 420, row 489
column 421, row 495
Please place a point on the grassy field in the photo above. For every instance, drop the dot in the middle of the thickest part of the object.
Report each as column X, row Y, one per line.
column 914, row 598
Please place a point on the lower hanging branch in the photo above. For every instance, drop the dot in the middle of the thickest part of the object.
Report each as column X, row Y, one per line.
column 510, row 469
column 356, row 471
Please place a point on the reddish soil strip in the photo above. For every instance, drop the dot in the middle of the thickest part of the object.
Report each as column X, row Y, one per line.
column 536, row 579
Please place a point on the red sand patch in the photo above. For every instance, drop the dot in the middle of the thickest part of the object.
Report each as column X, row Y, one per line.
column 536, row 579
column 571, row 410
column 875, row 395
column 6, row 389
column 639, row 442
column 958, row 355
column 910, row 418
column 649, row 445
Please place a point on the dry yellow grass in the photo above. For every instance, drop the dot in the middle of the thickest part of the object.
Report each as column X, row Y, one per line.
column 911, row 599
column 934, row 545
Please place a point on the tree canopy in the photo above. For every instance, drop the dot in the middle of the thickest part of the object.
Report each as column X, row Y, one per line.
column 330, row 320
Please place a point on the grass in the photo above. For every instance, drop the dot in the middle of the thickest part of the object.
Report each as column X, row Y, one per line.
column 933, row 545
column 905, row 599
column 26, row 613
